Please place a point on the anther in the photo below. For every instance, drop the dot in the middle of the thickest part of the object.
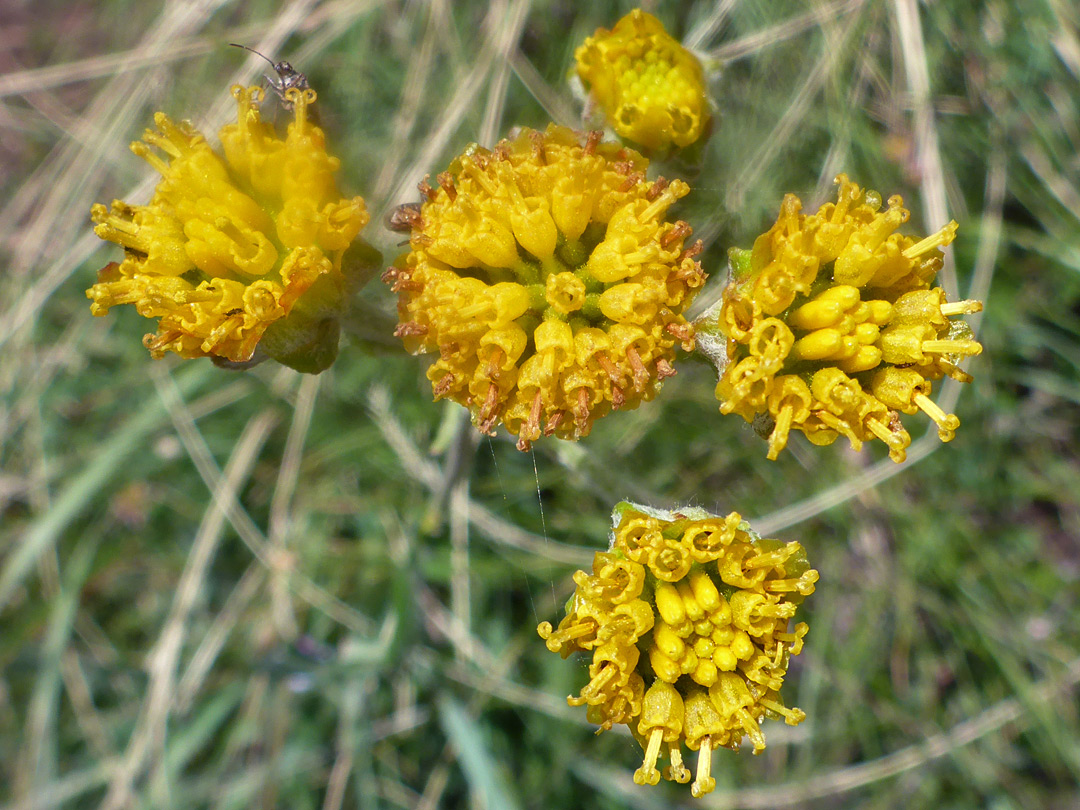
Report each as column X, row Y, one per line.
column 683, row 332
column 424, row 187
column 530, row 429
column 692, row 251
column 591, row 141
column 581, row 412
column 647, row 773
column 410, row 328
column 538, row 146
column 446, row 181
column 444, row 384
column 553, row 422
column 497, row 357
column 640, row 373
column 964, row 347
column 631, row 180
column 680, row 231
column 605, row 363
column 656, row 188
column 488, row 412
column 664, row 369
column 947, row 422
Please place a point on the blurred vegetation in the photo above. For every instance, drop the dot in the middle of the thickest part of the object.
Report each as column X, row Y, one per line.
column 238, row 590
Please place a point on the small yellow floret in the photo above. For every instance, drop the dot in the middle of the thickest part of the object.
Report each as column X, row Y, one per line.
column 719, row 644
column 651, row 88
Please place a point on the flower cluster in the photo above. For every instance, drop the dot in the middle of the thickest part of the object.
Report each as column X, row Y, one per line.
column 547, row 278
column 830, row 326
column 230, row 244
column 651, row 88
column 687, row 618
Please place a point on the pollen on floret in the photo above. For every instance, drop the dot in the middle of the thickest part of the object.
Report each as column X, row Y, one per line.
column 548, row 279
column 235, row 243
column 691, row 653
column 650, row 87
column 831, row 326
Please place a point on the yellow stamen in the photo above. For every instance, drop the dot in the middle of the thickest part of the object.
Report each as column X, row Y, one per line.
column 602, row 679
column 779, row 436
column 947, row 423
column 752, row 729
column 895, row 442
column 791, row 716
column 647, row 773
column 678, row 772
column 703, row 782
column 943, row 237
column 961, row 308
column 964, row 347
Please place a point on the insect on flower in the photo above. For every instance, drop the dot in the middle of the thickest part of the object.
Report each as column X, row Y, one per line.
column 240, row 252
column 287, row 77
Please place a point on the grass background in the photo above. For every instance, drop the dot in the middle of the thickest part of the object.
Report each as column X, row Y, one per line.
column 256, row 590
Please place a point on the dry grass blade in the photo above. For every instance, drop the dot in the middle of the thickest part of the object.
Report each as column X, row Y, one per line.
column 774, row 35
column 427, row 473
column 927, row 145
column 500, row 39
column 834, row 47
column 149, row 737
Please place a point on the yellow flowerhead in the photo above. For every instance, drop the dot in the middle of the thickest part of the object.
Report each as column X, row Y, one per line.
column 545, row 275
column 830, row 326
column 651, row 88
column 687, row 618
column 231, row 244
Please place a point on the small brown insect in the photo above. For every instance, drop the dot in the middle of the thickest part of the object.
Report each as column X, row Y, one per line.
column 404, row 218
column 287, row 77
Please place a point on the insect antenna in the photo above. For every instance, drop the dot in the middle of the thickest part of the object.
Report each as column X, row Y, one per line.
column 246, row 48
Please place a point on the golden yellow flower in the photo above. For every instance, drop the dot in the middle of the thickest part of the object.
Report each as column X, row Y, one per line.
column 687, row 617
column 231, row 244
column 547, row 278
column 651, row 88
column 830, row 326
